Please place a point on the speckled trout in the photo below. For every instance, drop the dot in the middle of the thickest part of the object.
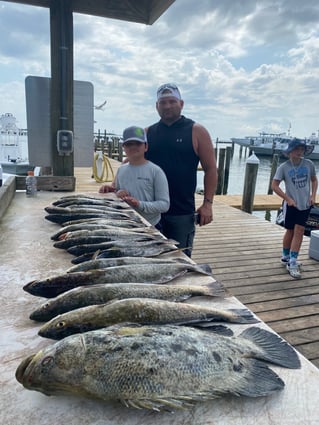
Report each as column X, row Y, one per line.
column 99, row 294
column 121, row 248
column 139, row 310
column 159, row 367
column 103, row 263
column 143, row 273
column 91, row 225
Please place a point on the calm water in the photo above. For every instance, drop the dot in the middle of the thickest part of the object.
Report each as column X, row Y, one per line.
column 236, row 175
column 237, row 178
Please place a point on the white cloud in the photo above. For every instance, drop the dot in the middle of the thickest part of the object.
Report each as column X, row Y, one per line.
column 243, row 66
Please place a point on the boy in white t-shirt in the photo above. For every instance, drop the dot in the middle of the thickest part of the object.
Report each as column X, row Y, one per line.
column 301, row 186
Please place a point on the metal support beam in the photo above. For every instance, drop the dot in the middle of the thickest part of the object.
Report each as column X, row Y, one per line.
column 61, row 91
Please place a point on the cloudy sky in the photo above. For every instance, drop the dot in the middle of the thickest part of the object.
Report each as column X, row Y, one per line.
column 243, row 66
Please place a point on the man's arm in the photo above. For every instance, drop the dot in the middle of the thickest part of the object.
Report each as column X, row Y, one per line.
column 314, row 188
column 204, row 148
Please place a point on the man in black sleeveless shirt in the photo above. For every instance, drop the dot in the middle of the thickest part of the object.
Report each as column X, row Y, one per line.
column 177, row 144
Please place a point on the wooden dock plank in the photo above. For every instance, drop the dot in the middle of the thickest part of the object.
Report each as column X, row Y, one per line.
column 244, row 253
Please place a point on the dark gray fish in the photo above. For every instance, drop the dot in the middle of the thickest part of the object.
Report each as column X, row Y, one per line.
column 99, row 294
column 71, row 216
column 110, row 230
column 138, row 251
column 145, row 273
column 71, row 242
column 89, row 208
column 103, row 263
column 72, row 201
column 120, row 248
column 107, row 224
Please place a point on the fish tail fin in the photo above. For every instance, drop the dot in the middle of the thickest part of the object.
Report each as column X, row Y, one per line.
column 241, row 315
column 214, row 289
column 172, row 241
column 81, row 258
column 258, row 380
column 272, row 348
column 203, row 269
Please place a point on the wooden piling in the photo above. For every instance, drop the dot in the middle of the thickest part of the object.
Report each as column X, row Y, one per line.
column 274, row 165
column 221, row 170
column 252, row 164
column 226, row 170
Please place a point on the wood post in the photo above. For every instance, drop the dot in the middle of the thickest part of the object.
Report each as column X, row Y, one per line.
column 227, row 168
column 221, row 170
column 274, row 165
column 252, row 164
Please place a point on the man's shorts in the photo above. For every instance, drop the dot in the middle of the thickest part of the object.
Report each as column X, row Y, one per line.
column 294, row 216
column 180, row 228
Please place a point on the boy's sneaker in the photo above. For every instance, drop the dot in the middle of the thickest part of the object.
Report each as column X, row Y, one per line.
column 294, row 270
column 285, row 260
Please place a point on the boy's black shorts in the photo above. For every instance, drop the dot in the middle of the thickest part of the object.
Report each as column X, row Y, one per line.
column 294, row 216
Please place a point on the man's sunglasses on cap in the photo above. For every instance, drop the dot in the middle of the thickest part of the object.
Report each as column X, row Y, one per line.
column 168, row 89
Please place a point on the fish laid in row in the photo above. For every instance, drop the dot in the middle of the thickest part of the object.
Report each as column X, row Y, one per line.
column 100, row 294
column 103, row 263
column 159, row 367
column 102, row 224
column 66, row 216
column 93, row 240
column 115, row 232
column 147, row 311
column 145, row 273
column 76, row 200
column 51, row 209
column 121, row 248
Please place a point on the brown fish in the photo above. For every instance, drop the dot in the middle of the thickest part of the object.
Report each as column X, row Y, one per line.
column 139, row 310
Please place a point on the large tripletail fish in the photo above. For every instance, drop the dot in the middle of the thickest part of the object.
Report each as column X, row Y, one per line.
column 103, row 263
column 122, row 248
column 144, row 273
column 147, row 311
column 99, row 294
column 159, row 367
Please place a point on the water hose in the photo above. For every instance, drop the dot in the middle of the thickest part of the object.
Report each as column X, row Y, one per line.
column 102, row 168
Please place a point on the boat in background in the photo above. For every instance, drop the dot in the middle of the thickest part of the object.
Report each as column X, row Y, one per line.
column 13, row 146
column 268, row 144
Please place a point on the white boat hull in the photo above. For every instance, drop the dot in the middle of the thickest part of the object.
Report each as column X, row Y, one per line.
column 269, row 149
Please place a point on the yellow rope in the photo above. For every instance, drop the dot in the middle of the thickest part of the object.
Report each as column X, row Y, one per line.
column 105, row 173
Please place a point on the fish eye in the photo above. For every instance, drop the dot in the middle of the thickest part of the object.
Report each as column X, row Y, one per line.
column 60, row 325
column 47, row 360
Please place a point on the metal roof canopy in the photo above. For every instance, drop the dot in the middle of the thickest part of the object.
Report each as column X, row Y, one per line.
column 61, row 30
column 141, row 11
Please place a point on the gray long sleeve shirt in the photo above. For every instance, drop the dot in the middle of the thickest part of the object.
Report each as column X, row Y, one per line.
column 148, row 184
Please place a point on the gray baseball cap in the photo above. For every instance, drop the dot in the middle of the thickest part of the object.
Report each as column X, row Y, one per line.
column 134, row 133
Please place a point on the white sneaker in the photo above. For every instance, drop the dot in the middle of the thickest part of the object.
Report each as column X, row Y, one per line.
column 294, row 270
column 285, row 260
